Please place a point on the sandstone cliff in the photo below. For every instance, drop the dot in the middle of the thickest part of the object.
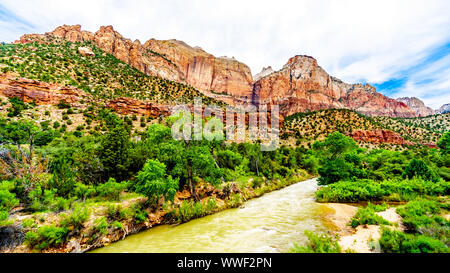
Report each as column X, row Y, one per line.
column 378, row 137
column 417, row 105
column 302, row 85
column 173, row 60
column 51, row 94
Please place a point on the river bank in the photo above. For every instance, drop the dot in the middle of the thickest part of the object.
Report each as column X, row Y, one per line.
column 92, row 235
column 272, row 223
column 362, row 239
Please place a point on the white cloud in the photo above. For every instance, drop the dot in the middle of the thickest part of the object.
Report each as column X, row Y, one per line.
column 370, row 41
column 431, row 84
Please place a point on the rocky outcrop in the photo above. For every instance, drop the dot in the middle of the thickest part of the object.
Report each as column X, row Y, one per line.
column 51, row 94
column 202, row 70
column 417, row 105
column 302, row 85
column 39, row 92
column 173, row 60
column 127, row 106
column 86, row 51
column 264, row 72
column 378, row 137
column 444, row 109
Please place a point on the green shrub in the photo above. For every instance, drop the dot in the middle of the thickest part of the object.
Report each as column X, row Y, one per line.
column 46, row 237
column 394, row 241
column 7, row 198
column 76, row 219
column 83, row 191
column 351, row 192
column 117, row 213
column 369, row 190
column 318, row 243
column 189, row 210
column 117, row 225
column 4, row 218
column 139, row 215
column 418, row 168
column 101, row 225
column 153, row 183
column 421, row 214
column 367, row 216
column 111, row 190
column 63, row 105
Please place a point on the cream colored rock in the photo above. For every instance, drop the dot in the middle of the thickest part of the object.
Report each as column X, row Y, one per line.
column 86, row 51
column 417, row 105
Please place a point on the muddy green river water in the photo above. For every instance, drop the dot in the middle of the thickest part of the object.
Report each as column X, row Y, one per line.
column 271, row 223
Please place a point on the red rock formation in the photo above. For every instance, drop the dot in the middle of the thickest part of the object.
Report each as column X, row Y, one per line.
column 173, row 60
column 302, row 85
column 127, row 106
column 378, row 137
column 204, row 71
column 417, row 105
column 39, row 92
column 51, row 94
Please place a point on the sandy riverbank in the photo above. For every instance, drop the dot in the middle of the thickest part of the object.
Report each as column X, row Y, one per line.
column 363, row 239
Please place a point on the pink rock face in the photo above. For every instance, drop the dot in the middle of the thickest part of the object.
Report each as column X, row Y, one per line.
column 417, row 105
column 173, row 60
column 51, row 94
column 204, row 71
column 39, row 92
column 378, row 137
column 302, row 85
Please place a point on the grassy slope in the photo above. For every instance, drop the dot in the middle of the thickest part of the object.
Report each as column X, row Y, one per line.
column 317, row 125
column 103, row 76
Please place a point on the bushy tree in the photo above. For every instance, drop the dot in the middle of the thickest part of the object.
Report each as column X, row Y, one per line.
column 418, row 168
column 153, row 182
column 444, row 143
column 114, row 150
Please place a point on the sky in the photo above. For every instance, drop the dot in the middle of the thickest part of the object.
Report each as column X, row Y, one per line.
column 402, row 47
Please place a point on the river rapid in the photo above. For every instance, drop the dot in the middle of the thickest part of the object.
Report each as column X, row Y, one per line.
column 271, row 223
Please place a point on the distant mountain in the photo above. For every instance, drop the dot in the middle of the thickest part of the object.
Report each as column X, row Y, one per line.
column 417, row 105
column 444, row 109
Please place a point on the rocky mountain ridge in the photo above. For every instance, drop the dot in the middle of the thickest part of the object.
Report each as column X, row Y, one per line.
column 444, row 109
column 417, row 105
column 300, row 86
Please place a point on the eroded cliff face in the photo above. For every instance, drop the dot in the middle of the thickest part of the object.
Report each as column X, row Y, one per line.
column 173, row 60
column 302, row 85
column 39, row 92
column 417, row 105
column 378, row 137
column 43, row 93
column 204, row 71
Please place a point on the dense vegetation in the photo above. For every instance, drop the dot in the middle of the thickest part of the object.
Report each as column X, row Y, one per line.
column 47, row 169
column 352, row 175
column 312, row 126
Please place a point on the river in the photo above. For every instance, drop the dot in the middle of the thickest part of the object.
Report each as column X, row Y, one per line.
column 271, row 223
